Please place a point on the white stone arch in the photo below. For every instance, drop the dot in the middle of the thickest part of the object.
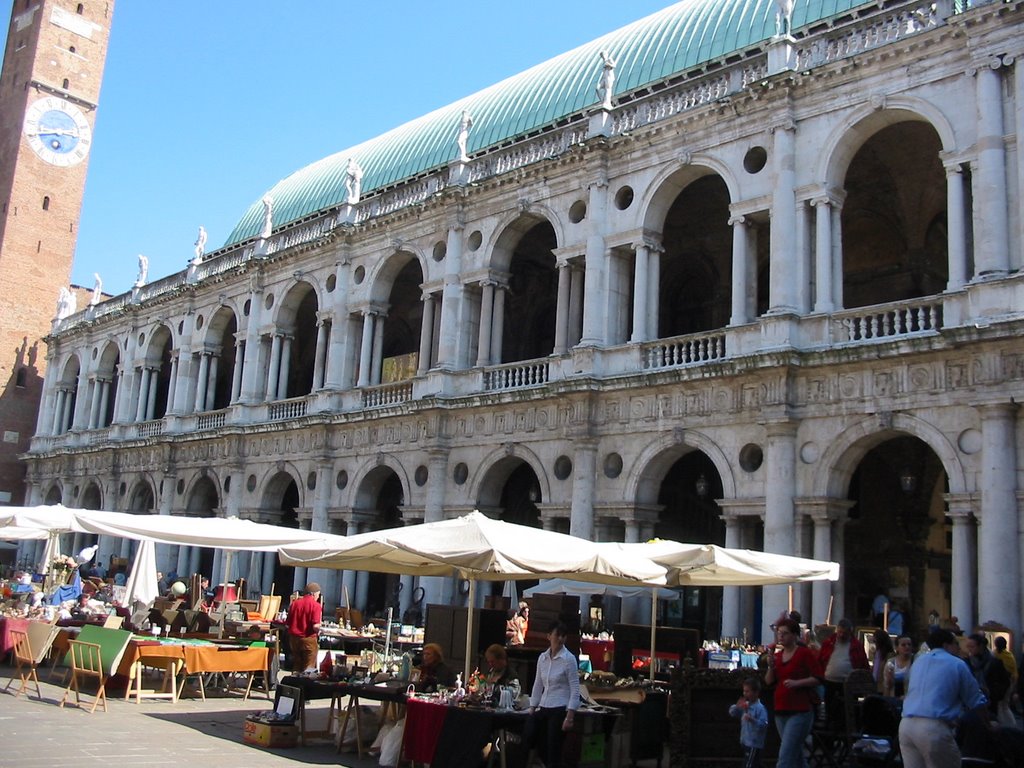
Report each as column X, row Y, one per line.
column 160, row 336
column 845, row 451
column 70, row 370
column 109, row 356
column 511, row 227
column 367, row 479
column 493, row 470
column 220, row 318
column 198, row 479
column 291, row 297
column 662, row 191
column 274, row 482
column 385, row 271
column 861, row 124
column 91, row 495
column 643, row 481
column 143, row 483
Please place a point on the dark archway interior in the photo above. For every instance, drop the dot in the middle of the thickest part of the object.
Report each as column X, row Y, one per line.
column 520, row 497
column 532, row 300
column 383, row 588
column 894, row 218
column 402, row 325
column 303, row 348
column 696, row 266
column 689, row 514
column 897, row 538
column 226, row 365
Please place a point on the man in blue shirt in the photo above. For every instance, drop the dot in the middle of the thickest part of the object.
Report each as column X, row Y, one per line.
column 941, row 688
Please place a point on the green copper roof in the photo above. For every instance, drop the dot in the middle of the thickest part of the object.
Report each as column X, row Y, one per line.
column 674, row 40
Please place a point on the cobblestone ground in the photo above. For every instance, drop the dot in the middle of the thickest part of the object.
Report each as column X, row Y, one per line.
column 190, row 733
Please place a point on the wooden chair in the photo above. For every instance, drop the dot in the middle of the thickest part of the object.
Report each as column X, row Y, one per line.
column 86, row 662
column 25, row 663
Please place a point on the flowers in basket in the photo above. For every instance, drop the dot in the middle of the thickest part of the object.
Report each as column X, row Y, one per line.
column 476, row 682
column 63, row 564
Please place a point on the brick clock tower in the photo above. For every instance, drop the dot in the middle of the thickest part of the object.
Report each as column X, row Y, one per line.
column 49, row 91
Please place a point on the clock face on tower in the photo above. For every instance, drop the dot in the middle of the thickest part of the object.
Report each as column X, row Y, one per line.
column 57, row 131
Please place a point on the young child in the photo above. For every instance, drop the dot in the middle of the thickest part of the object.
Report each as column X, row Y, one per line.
column 753, row 722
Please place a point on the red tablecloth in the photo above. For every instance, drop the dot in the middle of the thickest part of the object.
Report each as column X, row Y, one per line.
column 6, row 625
column 423, row 723
column 601, row 653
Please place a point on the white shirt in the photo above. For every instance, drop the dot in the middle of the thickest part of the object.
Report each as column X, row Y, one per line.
column 558, row 681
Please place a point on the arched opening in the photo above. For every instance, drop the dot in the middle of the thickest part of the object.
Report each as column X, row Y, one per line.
column 379, row 501
column 158, row 362
column 894, row 217
column 688, row 513
column 108, row 378
column 67, row 396
column 223, row 328
column 142, row 500
column 299, row 324
column 54, row 495
column 281, row 504
column 92, row 497
column 402, row 325
column 203, row 501
column 696, row 266
column 532, row 299
column 898, row 540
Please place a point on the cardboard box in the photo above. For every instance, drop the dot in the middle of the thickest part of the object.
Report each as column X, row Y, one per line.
column 270, row 734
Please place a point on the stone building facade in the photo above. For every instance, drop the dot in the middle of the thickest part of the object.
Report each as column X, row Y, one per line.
column 768, row 298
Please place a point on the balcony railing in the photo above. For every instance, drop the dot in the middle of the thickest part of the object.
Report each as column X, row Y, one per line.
column 888, row 322
column 517, row 375
column 150, row 428
column 387, row 394
column 684, row 350
column 287, row 409
column 211, row 420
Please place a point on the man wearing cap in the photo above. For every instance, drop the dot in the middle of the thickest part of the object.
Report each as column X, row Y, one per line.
column 304, row 616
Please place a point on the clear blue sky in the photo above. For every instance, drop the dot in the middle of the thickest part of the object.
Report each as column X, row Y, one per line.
column 207, row 103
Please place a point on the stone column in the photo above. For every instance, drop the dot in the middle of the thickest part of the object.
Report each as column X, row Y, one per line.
column 339, row 375
column 640, row 295
column 327, row 578
column 275, row 366
column 154, row 374
column 498, row 323
column 964, row 561
column 57, row 426
column 483, row 354
column 782, row 289
column 779, row 525
column 595, row 295
column 348, row 578
column 104, row 402
column 451, row 299
column 562, row 311
column 576, row 288
column 821, row 591
column 581, row 520
column 236, row 373
column 823, row 276
column 378, row 349
column 143, row 406
column 172, row 383
column 94, row 403
column 991, row 231
column 366, row 350
column 732, row 625
column 956, row 228
column 211, row 379
column 249, row 393
column 654, row 250
column 320, row 355
column 202, row 381
column 740, row 258
column 998, row 550
column 286, row 367
column 426, row 334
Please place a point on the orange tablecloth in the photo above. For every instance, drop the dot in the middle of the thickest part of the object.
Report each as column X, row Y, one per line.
column 198, row 658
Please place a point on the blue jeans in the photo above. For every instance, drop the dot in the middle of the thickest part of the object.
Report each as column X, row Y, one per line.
column 793, row 732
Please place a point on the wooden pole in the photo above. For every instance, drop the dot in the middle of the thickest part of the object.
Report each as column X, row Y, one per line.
column 790, row 598
column 828, row 619
column 885, row 617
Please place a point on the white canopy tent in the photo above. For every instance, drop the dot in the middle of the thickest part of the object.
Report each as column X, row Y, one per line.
column 478, row 548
